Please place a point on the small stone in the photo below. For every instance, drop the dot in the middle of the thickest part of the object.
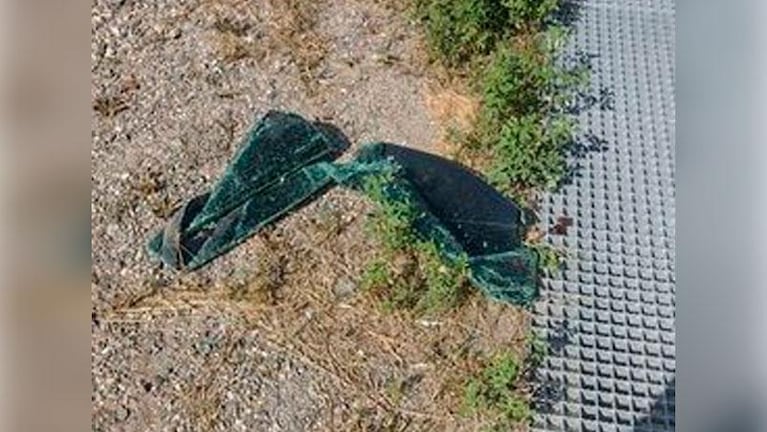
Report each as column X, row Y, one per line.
column 122, row 413
column 113, row 229
column 344, row 288
column 204, row 347
column 147, row 385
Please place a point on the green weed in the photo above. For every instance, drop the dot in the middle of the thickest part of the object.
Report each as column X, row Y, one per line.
column 459, row 30
column 524, row 127
column 512, row 52
column 529, row 14
column 537, row 348
column 530, row 152
column 393, row 219
column 524, row 77
column 549, row 257
column 411, row 273
column 494, row 392
column 375, row 274
column 444, row 282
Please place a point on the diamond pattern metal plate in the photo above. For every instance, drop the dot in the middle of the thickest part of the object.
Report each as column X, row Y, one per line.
column 609, row 314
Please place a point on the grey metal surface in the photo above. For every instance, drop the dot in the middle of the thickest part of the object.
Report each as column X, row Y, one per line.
column 609, row 314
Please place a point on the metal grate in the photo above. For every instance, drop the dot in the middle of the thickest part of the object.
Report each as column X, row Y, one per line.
column 609, row 314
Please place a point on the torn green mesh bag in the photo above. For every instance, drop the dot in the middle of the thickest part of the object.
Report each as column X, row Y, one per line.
column 286, row 161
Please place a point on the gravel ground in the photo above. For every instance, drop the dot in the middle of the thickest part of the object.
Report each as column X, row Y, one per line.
column 176, row 106
column 175, row 84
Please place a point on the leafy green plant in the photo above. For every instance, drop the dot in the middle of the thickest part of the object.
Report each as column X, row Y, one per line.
column 494, row 392
column 524, row 127
column 512, row 51
column 549, row 257
column 513, row 84
column 411, row 272
column 529, row 13
column 445, row 282
column 393, row 218
column 375, row 274
column 537, row 350
column 520, row 78
column 531, row 152
column 458, row 30
column 525, row 76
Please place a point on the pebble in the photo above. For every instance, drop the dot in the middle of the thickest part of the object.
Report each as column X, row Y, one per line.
column 344, row 288
column 122, row 413
column 113, row 229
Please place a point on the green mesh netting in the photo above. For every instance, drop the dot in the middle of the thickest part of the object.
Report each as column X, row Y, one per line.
column 285, row 161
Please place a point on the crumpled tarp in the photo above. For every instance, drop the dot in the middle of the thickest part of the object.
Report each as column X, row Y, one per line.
column 286, row 161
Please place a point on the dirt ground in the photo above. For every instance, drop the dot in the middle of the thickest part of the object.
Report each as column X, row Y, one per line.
column 274, row 336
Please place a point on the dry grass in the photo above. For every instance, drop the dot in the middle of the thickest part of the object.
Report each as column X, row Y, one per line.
column 232, row 32
column 232, row 48
column 117, row 101
column 398, row 370
column 109, row 106
column 388, row 363
column 244, row 29
column 292, row 28
column 454, row 110
column 449, row 106
column 203, row 403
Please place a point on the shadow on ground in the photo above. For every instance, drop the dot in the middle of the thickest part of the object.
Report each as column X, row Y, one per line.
column 550, row 391
column 569, row 13
column 662, row 416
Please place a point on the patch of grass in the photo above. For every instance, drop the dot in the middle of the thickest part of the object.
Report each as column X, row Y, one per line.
column 393, row 219
column 529, row 14
column 537, row 348
column 549, row 257
column 376, row 274
column 494, row 392
column 523, row 76
column 511, row 50
column 460, row 31
column 410, row 273
column 445, row 281
column 524, row 128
